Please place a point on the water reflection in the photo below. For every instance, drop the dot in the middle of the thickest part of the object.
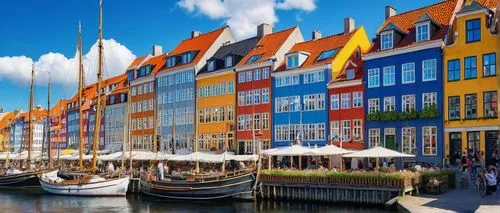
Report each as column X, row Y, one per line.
column 38, row 201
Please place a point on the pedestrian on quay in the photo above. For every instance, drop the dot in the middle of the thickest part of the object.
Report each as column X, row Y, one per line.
column 491, row 180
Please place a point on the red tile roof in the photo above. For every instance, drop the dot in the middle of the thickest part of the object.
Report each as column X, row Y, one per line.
column 489, row 3
column 57, row 109
column 268, row 45
column 157, row 61
column 137, row 61
column 200, row 44
column 318, row 46
column 5, row 118
column 440, row 12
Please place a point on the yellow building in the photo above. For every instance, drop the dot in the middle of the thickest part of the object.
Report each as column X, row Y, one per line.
column 471, row 81
column 216, row 99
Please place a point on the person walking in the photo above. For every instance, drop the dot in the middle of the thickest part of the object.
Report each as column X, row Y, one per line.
column 491, row 180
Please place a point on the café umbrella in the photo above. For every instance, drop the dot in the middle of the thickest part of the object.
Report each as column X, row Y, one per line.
column 378, row 152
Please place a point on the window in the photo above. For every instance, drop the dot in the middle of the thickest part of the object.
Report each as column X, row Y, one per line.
column 265, row 95
column 454, row 108
column 334, row 102
column 408, row 70
column 292, row 61
column 139, row 89
column 389, row 75
column 248, row 122
column 248, row 76
column 490, row 104
column 134, row 91
column 350, row 74
column 357, row 134
column 373, row 77
column 139, row 106
column 346, row 101
column 133, row 107
column 287, row 81
column 489, row 65
column 241, row 77
column 389, row 104
column 334, row 130
column 139, row 123
column 346, row 130
column 470, row 69
column 423, row 31
column 473, row 30
column 357, row 99
column 211, row 65
column 265, row 73
column 314, row 102
column 373, row 105
column 253, row 58
column 256, row 121
column 408, row 103
column 229, row 61
column 171, row 61
column 429, row 140
column 249, row 97
column 454, row 70
column 470, row 106
column 265, row 120
column 256, row 74
column 386, row 40
column 429, row 99
column 374, row 135
column 241, row 122
column 326, row 54
column 429, row 70
column 256, row 98
column 187, row 57
column 313, row 77
column 473, row 142
column 222, row 88
column 409, row 141
column 207, row 91
column 241, row 98
column 215, row 90
column 230, row 87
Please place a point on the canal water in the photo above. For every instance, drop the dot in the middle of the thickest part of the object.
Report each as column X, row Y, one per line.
column 38, row 201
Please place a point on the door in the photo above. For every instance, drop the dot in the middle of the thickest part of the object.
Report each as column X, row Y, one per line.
column 241, row 147
column 455, row 147
column 390, row 138
column 491, row 143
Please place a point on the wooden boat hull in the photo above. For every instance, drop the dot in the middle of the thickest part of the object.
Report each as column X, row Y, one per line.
column 22, row 181
column 237, row 186
column 112, row 187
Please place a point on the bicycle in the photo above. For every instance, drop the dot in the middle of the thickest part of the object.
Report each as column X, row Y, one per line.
column 481, row 184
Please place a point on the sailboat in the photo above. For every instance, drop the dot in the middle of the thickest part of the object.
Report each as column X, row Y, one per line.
column 92, row 184
column 24, row 179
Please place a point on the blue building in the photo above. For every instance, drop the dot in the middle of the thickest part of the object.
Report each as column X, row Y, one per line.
column 72, row 126
column 299, row 87
column 176, row 88
column 404, row 85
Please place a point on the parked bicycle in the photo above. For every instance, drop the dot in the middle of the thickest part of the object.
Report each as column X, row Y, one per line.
column 481, row 183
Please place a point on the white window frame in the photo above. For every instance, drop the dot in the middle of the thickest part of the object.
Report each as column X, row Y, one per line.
column 334, row 130
column 392, row 101
column 429, row 69
column 390, row 43
column 336, row 98
column 345, row 101
column 410, row 72
column 346, row 130
column 373, row 101
column 403, row 103
column 433, row 95
column 412, row 146
column 375, row 74
column 389, row 71
column 357, row 97
column 430, row 138
column 357, row 129
column 419, row 33
column 295, row 60
column 376, row 135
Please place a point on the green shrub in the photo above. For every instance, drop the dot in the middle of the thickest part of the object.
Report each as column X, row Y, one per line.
column 426, row 175
column 429, row 112
column 374, row 116
column 389, row 115
column 408, row 115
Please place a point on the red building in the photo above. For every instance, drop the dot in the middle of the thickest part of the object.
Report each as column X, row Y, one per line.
column 254, row 84
column 346, row 114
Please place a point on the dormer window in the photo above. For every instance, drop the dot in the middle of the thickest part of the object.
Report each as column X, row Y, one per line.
column 253, row 58
column 187, row 57
column 423, row 32
column 387, row 40
column 171, row 61
column 326, row 54
column 229, row 61
column 350, row 74
column 210, row 65
column 292, row 61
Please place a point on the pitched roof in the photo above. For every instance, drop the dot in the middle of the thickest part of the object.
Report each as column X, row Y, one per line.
column 5, row 118
column 354, row 64
column 440, row 12
column 58, row 108
column 199, row 44
column 315, row 47
column 488, row 3
column 240, row 48
column 157, row 61
column 137, row 62
column 268, row 45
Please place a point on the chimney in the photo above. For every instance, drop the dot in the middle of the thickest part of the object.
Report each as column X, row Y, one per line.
column 157, row 50
column 348, row 25
column 195, row 33
column 389, row 11
column 264, row 29
column 316, row 34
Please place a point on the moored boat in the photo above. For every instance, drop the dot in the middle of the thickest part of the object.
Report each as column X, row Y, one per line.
column 236, row 184
column 91, row 185
column 20, row 180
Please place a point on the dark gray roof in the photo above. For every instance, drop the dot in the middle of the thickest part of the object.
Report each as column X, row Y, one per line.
column 240, row 48
column 472, row 7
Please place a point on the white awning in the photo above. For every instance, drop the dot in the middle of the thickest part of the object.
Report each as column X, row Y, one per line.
column 377, row 152
column 294, row 150
column 331, row 150
column 199, row 156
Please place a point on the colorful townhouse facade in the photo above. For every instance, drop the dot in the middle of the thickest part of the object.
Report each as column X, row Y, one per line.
column 177, row 88
column 142, row 99
column 254, row 87
column 6, row 119
column 58, row 127
column 404, row 89
column 300, row 93
column 471, row 82
column 216, row 98
column 20, row 134
column 116, row 122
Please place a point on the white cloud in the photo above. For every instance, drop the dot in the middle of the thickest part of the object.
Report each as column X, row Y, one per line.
column 64, row 70
column 243, row 16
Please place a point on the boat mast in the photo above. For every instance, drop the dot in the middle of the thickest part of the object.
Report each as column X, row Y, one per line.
column 80, row 88
column 30, row 131
column 129, row 100
column 99, row 78
column 48, row 125
column 173, row 129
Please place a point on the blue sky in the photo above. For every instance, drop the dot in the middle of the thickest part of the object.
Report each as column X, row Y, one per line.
column 33, row 28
